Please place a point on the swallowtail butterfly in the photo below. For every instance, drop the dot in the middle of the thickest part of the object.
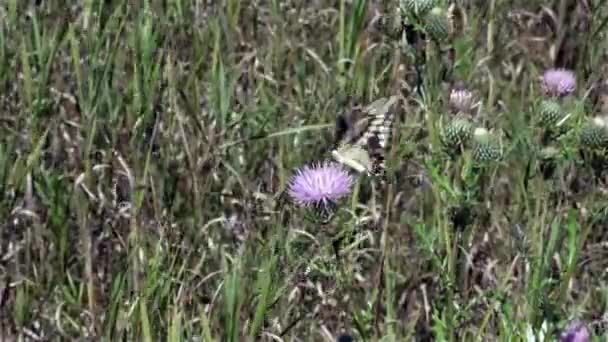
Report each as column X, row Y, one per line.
column 362, row 145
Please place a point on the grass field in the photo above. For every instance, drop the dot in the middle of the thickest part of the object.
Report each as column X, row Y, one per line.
column 146, row 146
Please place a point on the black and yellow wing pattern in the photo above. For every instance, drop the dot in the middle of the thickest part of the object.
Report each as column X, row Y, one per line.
column 362, row 145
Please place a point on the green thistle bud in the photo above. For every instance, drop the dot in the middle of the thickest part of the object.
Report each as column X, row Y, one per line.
column 550, row 112
column 595, row 133
column 457, row 133
column 437, row 24
column 417, row 7
column 485, row 146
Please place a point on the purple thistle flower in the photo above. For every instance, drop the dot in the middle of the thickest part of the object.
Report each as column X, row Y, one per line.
column 320, row 184
column 559, row 82
column 575, row 332
column 461, row 99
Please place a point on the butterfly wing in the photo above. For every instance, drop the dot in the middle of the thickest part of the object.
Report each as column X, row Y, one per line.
column 364, row 150
column 378, row 134
column 353, row 156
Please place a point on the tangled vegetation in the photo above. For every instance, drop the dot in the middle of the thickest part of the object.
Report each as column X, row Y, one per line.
column 150, row 152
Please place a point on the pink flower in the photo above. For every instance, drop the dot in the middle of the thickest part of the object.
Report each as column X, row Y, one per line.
column 576, row 332
column 461, row 99
column 320, row 185
column 559, row 82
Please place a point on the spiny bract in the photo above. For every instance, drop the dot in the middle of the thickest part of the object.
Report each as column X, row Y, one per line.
column 595, row 133
column 436, row 23
column 417, row 7
column 457, row 133
column 485, row 146
column 550, row 112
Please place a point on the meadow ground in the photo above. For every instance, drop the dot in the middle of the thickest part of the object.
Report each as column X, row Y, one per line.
column 145, row 146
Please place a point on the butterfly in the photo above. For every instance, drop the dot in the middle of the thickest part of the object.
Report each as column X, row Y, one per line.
column 361, row 145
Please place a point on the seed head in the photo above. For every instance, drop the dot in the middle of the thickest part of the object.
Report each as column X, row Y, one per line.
column 559, row 82
column 320, row 185
column 575, row 332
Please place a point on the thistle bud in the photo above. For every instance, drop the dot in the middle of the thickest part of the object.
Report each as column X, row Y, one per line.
column 550, row 112
column 485, row 146
column 436, row 23
column 457, row 133
column 595, row 133
column 417, row 7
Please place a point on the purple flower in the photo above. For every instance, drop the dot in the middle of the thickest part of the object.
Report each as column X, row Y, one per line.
column 320, row 184
column 559, row 82
column 461, row 99
column 575, row 332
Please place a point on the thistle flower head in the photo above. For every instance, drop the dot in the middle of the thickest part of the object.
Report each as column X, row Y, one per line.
column 461, row 99
column 320, row 184
column 575, row 332
column 559, row 82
